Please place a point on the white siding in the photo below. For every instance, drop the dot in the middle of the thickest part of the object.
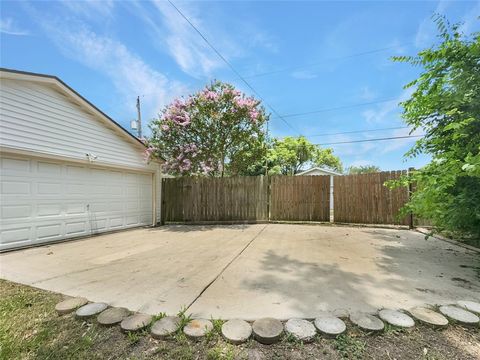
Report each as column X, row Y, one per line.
column 38, row 118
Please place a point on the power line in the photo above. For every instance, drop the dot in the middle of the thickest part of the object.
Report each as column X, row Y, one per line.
column 359, row 131
column 232, row 67
column 367, row 140
column 324, row 61
column 340, row 107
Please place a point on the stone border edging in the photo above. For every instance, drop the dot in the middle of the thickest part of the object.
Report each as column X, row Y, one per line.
column 268, row 330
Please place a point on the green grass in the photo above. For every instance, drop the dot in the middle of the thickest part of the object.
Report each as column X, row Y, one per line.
column 31, row 329
column 350, row 347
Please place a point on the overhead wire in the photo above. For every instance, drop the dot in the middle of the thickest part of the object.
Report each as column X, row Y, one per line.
column 369, row 140
column 233, row 68
column 290, row 68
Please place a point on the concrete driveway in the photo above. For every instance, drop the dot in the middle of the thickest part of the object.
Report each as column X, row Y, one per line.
column 253, row 271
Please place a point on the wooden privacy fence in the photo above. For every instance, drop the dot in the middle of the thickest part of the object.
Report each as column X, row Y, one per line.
column 215, row 199
column 357, row 199
column 300, row 198
column 364, row 199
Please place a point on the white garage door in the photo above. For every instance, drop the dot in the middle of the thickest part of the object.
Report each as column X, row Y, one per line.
column 44, row 200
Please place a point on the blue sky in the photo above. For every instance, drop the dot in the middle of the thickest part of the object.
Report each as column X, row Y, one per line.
column 329, row 57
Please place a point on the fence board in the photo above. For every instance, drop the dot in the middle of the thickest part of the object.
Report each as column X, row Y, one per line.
column 364, row 199
column 300, row 198
column 194, row 200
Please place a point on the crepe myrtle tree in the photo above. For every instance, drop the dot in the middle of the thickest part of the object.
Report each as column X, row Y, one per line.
column 217, row 131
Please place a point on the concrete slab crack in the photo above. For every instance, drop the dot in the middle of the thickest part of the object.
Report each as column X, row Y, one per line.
column 225, row 267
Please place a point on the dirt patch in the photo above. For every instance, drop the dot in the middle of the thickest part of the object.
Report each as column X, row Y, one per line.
column 30, row 329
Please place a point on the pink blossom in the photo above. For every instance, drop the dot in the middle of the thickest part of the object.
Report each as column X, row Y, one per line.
column 245, row 102
column 147, row 153
column 185, row 165
column 210, row 95
column 165, row 127
column 253, row 114
column 189, row 148
column 233, row 92
column 206, row 168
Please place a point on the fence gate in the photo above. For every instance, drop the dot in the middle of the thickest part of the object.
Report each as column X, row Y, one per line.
column 300, row 198
column 364, row 199
column 231, row 199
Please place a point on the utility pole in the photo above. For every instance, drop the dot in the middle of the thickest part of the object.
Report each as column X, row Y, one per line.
column 139, row 118
column 266, row 151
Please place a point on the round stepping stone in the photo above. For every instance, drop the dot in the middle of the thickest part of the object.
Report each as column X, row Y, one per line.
column 458, row 314
column 135, row 322
column 236, row 331
column 112, row 316
column 91, row 309
column 367, row 322
column 396, row 318
column 165, row 327
column 330, row 325
column 300, row 329
column 428, row 316
column 469, row 305
column 197, row 328
column 69, row 305
column 267, row 330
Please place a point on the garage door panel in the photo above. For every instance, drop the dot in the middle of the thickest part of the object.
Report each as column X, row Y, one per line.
column 16, row 236
column 50, row 189
column 17, row 188
column 132, row 220
column 44, row 200
column 49, row 169
column 75, row 208
column 74, row 171
column 76, row 228
column 98, row 207
column 146, row 219
column 75, row 189
column 49, row 209
column 116, row 222
column 49, row 231
column 15, row 166
column 16, row 211
column 98, row 224
column 115, row 191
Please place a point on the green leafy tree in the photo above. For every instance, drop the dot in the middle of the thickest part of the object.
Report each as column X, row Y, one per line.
column 289, row 155
column 214, row 132
column 365, row 169
column 445, row 104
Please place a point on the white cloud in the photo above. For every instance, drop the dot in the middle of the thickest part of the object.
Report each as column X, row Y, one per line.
column 471, row 19
column 360, row 162
column 7, row 26
column 400, row 143
column 128, row 72
column 184, row 44
column 386, row 112
column 427, row 29
column 367, row 94
column 91, row 8
column 259, row 38
column 303, row 75
column 171, row 33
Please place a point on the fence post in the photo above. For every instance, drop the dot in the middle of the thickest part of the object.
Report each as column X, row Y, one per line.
column 162, row 203
column 410, row 192
column 269, row 196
